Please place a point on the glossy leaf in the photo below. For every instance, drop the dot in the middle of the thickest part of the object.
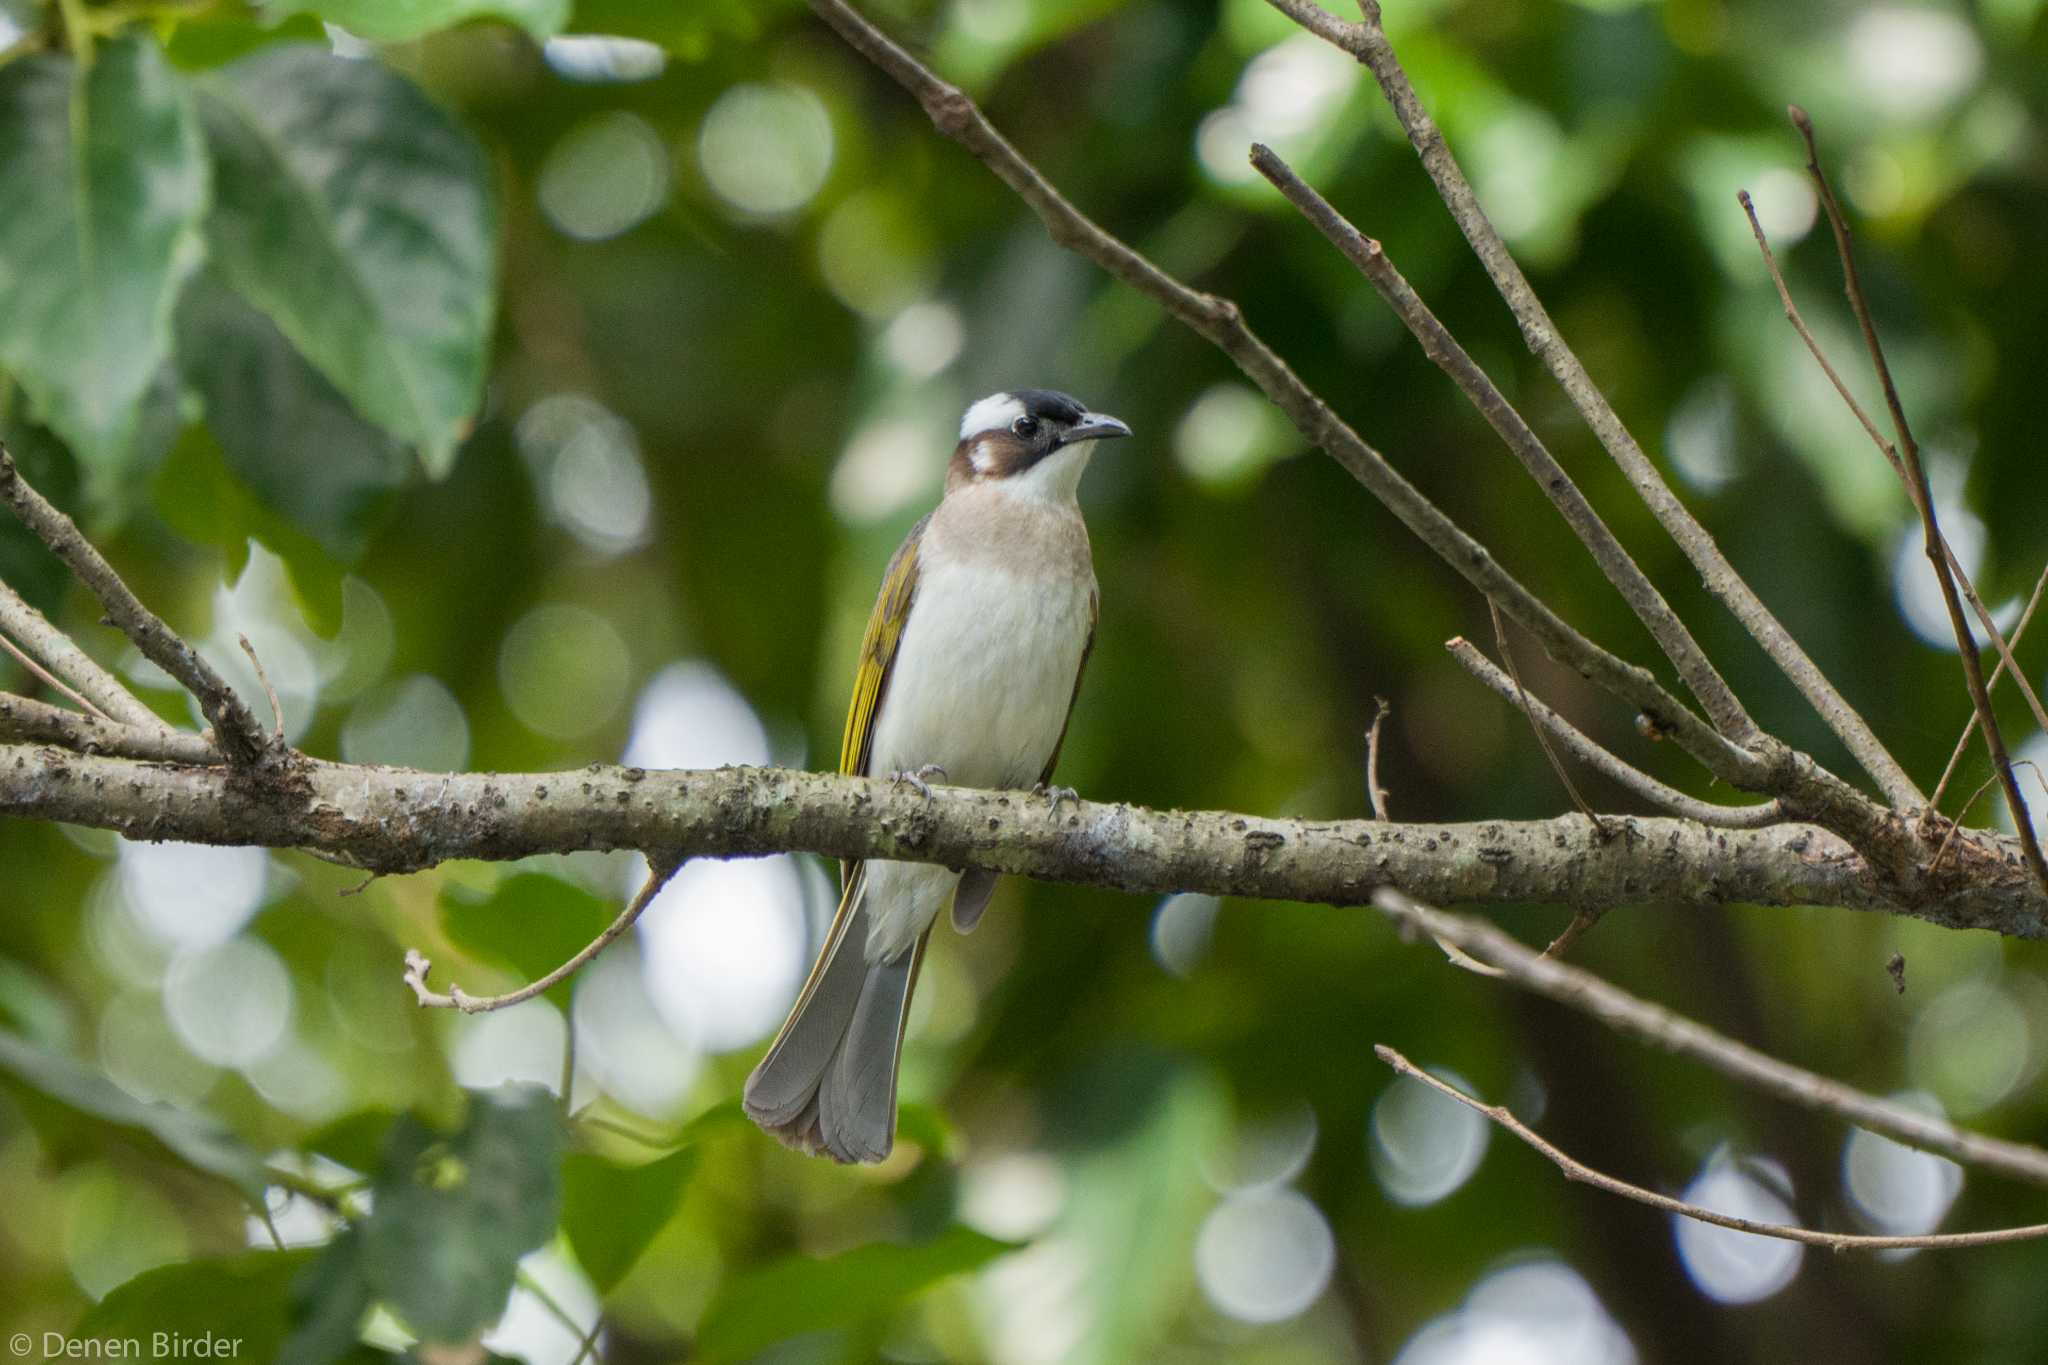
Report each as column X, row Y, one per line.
column 361, row 219
column 532, row 923
column 106, row 179
column 73, row 1106
column 400, row 21
column 611, row 1213
column 287, row 433
column 801, row 1294
column 228, row 1308
column 452, row 1216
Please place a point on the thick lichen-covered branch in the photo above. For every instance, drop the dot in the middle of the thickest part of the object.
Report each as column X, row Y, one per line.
column 401, row 820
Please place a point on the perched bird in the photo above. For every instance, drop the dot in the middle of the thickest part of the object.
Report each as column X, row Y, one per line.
column 968, row 671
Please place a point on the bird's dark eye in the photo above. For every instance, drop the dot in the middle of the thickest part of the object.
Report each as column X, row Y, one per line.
column 1025, row 426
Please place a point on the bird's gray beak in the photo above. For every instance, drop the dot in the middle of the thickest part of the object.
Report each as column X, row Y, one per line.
column 1094, row 426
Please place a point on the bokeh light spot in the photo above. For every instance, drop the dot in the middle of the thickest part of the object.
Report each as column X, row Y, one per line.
column 413, row 721
column 766, row 149
column 1264, row 1255
column 564, row 670
column 1425, row 1145
column 231, row 1003
column 1730, row 1266
column 603, row 177
column 192, row 895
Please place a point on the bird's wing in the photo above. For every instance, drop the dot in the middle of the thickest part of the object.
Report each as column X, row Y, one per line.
column 1094, row 615
column 877, row 655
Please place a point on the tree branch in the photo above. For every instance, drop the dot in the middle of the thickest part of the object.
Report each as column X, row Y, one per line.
column 1678, row 644
column 62, row 656
column 1605, row 761
column 1580, row 1173
column 1581, row 990
column 241, row 740
column 400, row 820
column 1368, row 43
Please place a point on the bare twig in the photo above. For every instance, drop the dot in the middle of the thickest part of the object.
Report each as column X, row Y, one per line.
column 1923, row 500
column 21, row 620
column 1581, row 990
column 1912, row 487
column 1373, row 790
column 37, row 722
column 51, row 680
column 241, row 740
column 1441, row 347
column 1577, row 1171
column 660, row 868
column 1573, row 932
column 1605, row 761
column 1507, row 656
column 1970, row 726
column 1955, row 826
column 276, row 709
column 1367, row 41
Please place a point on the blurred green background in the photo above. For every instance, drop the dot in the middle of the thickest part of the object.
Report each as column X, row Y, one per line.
column 743, row 292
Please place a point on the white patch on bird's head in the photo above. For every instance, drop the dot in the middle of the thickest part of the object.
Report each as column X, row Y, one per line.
column 993, row 413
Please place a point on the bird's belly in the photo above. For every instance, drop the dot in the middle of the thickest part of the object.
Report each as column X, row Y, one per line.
column 980, row 686
column 983, row 676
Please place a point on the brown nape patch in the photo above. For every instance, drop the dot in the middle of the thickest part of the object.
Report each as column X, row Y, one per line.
column 992, row 455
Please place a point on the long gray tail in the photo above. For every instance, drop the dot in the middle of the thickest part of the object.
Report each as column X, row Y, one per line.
column 828, row 1083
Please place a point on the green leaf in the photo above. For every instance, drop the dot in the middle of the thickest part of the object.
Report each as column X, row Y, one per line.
column 532, row 923
column 401, row 21
column 285, row 431
column 58, row 1092
column 355, row 1140
column 328, row 1301
column 451, row 1217
column 687, row 31
column 799, row 1295
column 202, row 500
column 611, row 1212
column 224, row 32
column 230, row 1308
column 361, row 219
column 106, row 181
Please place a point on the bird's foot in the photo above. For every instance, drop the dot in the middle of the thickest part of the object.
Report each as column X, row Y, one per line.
column 918, row 779
column 1057, row 795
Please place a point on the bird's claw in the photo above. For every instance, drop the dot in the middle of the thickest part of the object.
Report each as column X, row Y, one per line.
column 1057, row 795
column 918, row 779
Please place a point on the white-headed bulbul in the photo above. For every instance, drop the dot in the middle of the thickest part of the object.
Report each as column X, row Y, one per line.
column 969, row 668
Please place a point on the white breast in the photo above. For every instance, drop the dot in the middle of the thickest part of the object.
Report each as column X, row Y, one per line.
column 981, row 685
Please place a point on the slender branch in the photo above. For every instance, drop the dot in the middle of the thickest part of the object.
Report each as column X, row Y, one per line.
column 240, row 738
column 1906, row 479
column 1368, row 42
column 393, row 820
column 1605, row 761
column 27, row 720
column 1678, row 644
column 1970, row 727
column 660, row 869
column 1373, row 790
column 1581, row 990
column 1521, row 699
column 51, row 680
column 1580, row 1173
column 1923, row 501
column 21, row 620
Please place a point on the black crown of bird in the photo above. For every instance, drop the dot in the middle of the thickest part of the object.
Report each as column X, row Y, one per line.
column 968, row 671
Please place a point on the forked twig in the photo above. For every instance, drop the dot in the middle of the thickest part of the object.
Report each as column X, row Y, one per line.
column 1500, row 642
column 51, row 680
column 1367, row 42
column 1604, row 761
column 659, row 870
column 1580, row 1173
column 54, row 648
column 1579, row 989
column 241, row 739
column 1923, row 500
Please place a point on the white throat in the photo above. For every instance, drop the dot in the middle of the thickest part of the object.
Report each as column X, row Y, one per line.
column 1056, row 478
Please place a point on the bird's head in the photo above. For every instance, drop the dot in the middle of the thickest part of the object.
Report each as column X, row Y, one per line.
column 1033, row 442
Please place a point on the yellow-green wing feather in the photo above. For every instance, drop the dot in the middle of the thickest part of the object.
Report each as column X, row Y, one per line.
column 877, row 654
